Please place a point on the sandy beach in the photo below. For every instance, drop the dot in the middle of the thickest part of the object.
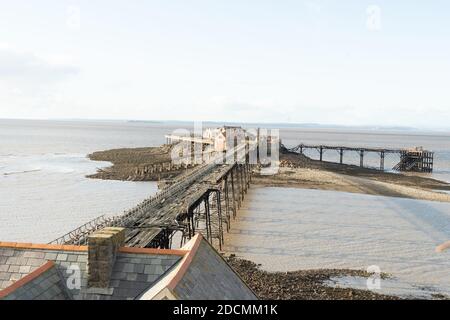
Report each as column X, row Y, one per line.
column 327, row 180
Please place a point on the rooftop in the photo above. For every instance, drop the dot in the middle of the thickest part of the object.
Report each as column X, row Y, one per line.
column 101, row 271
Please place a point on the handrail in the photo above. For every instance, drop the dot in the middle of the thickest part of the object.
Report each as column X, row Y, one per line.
column 74, row 235
column 345, row 148
column 134, row 213
column 79, row 235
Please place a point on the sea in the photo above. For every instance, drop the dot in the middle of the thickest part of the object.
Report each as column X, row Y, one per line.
column 288, row 229
column 44, row 193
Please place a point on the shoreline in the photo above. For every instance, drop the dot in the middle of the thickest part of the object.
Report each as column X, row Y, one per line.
column 129, row 164
column 296, row 171
column 305, row 178
column 301, row 284
column 311, row 284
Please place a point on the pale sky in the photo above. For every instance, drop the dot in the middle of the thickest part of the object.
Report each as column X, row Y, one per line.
column 351, row 62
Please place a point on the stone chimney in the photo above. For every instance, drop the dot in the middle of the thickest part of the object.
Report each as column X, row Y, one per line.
column 102, row 250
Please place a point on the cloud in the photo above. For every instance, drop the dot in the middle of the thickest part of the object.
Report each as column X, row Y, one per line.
column 313, row 6
column 228, row 108
column 31, row 84
column 28, row 66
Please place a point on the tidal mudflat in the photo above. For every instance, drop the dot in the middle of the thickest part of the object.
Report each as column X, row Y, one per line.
column 286, row 229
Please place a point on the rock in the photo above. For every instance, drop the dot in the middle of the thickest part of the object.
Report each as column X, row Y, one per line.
column 299, row 285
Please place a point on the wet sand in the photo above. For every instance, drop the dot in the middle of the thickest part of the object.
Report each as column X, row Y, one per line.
column 306, row 178
column 299, row 171
column 411, row 179
column 290, row 229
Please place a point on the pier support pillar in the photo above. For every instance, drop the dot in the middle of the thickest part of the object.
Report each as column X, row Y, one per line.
column 245, row 175
column 219, row 213
column 361, row 158
column 382, row 161
column 227, row 203
column 191, row 223
column 239, row 186
column 241, row 170
column 208, row 219
column 233, row 192
column 249, row 175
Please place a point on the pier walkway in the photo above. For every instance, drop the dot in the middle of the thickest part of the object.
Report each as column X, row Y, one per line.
column 410, row 159
column 203, row 199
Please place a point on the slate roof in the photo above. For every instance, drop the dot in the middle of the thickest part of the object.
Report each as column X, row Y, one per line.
column 133, row 273
column 197, row 271
column 202, row 274
column 208, row 275
column 43, row 284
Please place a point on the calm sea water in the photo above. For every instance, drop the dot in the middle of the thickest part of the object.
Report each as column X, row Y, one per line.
column 43, row 164
column 287, row 229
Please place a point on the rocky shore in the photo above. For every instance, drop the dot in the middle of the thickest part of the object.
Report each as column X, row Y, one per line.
column 134, row 164
column 302, row 284
column 297, row 171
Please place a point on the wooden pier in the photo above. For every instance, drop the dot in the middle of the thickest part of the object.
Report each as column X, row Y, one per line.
column 413, row 159
column 204, row 199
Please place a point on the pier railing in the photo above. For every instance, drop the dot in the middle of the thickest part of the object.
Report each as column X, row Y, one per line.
column 76, row 234
column 79, row 235
column 412, row 159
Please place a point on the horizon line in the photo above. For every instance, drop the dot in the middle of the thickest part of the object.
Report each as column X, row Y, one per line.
column 225, row 122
